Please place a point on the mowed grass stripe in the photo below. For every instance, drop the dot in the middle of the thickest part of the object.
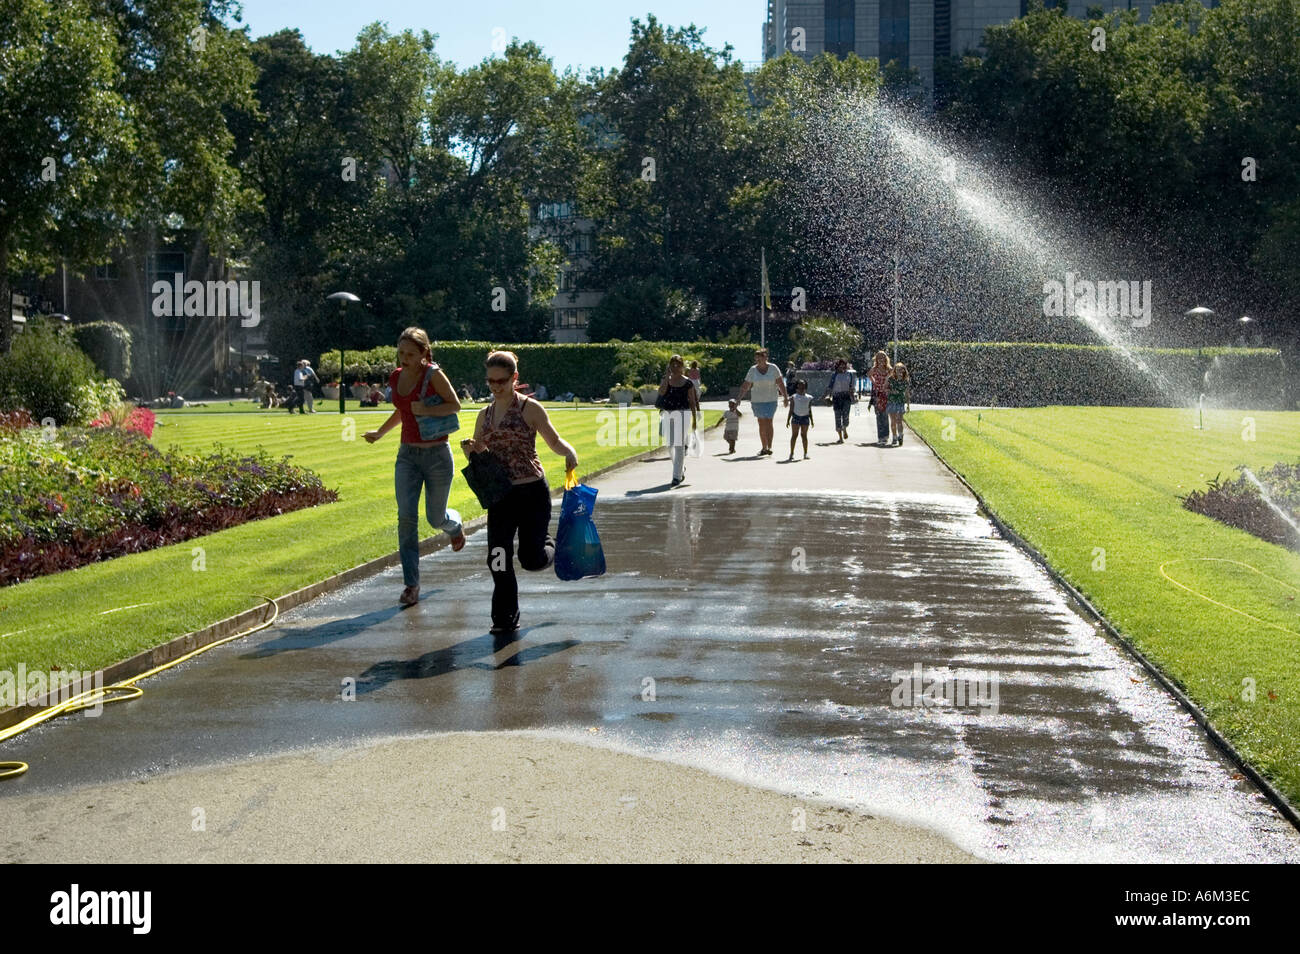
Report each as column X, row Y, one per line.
column 1105, row 521
column 1220, row 442
column 1043, row 471
column 59, row 620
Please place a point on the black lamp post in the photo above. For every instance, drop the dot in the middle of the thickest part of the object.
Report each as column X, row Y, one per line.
column 342, row 298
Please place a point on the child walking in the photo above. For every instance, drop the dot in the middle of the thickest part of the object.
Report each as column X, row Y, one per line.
column 420, row 463
column 801, row 414
column 900, row 382
column 731, row 425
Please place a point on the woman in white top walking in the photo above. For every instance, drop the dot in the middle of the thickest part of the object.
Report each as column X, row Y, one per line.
column 767, row 384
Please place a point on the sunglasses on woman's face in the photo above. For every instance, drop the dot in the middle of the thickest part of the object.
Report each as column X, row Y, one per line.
column 498, row 380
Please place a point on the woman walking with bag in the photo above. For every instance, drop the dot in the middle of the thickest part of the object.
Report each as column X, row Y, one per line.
column 508, row 429
column 842, row 388
column 421, row 463
column 677, row 397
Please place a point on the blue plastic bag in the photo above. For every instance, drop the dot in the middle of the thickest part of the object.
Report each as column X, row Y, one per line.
column 577, row 544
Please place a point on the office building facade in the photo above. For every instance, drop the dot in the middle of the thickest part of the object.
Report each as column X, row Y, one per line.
column 913, row 33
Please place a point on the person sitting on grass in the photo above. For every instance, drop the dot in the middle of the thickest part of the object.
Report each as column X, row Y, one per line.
column 801, row 415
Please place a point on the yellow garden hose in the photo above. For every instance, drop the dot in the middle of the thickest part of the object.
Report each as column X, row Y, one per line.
column 1231, row 609
column 127, row 689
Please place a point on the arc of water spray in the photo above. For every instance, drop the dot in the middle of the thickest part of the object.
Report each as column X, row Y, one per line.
column 1269, row 500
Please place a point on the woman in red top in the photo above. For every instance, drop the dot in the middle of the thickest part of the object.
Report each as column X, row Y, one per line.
column 420, row 463
column 508, row 427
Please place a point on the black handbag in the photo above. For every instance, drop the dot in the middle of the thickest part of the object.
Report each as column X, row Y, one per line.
column 487, row 477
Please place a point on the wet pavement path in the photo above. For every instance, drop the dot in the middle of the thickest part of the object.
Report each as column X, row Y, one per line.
column 763, row 621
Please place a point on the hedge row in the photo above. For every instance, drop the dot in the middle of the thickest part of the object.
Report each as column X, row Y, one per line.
column 1010, row 374
column 1013, row 374
column 588, row 370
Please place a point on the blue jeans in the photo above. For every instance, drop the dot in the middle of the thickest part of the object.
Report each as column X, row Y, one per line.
column 842, row 402
column 882, row 425
column 429, row 468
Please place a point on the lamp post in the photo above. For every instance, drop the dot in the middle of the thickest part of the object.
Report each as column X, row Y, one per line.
column 342, row 298
column 1200, row 312
column 897, row 300
column 1244, row 323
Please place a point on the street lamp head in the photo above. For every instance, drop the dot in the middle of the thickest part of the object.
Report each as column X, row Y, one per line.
column 1244, row 319
column 342, row 298
column 1198, row 312
column 60, row 316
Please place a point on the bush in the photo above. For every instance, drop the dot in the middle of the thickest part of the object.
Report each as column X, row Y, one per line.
column 12, row 422
column 108, row 344
column 587, row 370
column 49, row 376
column 1239, row 503
column 128, row 417
column 1014, row 374
column 365, row 367
column 93, row 493
column 821, row 339
column 644, row 363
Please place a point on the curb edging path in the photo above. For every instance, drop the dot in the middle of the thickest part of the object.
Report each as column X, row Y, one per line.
column 1278, row 800
column 175, row 648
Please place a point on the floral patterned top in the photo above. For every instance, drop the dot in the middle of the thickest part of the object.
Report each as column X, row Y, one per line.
column 879, row 387
column 513, row 440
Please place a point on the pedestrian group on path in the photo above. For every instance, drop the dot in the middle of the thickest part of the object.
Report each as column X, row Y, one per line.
column 890, row 386
column 505, row 439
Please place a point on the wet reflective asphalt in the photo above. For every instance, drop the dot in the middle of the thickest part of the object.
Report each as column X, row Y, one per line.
column 768, row 636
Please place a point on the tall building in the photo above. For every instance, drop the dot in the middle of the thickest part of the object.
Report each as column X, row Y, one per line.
column 912, row 32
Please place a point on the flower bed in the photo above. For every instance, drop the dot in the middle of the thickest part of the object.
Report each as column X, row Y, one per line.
column 95, row 493
column 1239, row 503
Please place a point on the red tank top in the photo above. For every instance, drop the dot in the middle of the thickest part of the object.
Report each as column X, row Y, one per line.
column 411, row 427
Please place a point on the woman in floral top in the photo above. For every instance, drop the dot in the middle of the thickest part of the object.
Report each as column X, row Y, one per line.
column 879, row 374
column 509, row 427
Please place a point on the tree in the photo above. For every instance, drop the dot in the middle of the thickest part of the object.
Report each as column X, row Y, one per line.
column 113, row 122
column 821, row 339
column 64, row 138
column 648, row 308
column 680, row 143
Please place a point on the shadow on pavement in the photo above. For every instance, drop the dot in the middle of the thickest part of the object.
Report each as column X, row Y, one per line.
column 463, row 655
column 313, row 637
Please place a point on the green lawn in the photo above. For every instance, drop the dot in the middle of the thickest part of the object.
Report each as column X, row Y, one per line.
column 1077, row 481
column 96, row 615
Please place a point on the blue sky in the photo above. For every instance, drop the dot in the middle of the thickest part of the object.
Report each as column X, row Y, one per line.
column 578, row 33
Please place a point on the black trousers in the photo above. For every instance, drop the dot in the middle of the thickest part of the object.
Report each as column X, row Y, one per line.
column 526, row 510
